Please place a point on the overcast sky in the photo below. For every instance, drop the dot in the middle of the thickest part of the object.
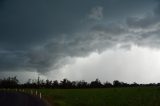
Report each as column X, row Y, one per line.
column 80, row 40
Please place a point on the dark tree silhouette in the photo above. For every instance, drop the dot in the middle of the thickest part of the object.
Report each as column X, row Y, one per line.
column 10, row 82
column 117, row 83
column 65, row 83
column 48, row 84
column 82, row 84
column 107, row 84
column 55, row 84
column 96, row 84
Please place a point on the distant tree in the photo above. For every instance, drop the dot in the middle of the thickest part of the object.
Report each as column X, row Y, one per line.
column 158, row 84
column 134, row 84
column 55, row 84
column 82, row 84
column 10, row 82
column 74, row 84
column 117, row 83
column 48, row 83
column 124, row 84
column 96, row 84
column 107, row 84
column 65, row 83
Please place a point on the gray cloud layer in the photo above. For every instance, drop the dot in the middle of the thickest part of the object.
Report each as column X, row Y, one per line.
column 39, row 35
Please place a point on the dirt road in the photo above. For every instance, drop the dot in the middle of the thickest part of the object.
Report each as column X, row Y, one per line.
column 19, row 99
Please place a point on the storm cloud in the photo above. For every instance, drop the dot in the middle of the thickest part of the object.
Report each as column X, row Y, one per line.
column 38, row 35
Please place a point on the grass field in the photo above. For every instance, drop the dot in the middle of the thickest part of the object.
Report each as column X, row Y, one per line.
column 103, row 97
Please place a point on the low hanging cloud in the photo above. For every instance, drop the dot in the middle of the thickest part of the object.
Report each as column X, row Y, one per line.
column 146, row 21
column 40, row 39
column 96, row 13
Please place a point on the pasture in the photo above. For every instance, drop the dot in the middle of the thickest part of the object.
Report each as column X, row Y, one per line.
column 144, row 96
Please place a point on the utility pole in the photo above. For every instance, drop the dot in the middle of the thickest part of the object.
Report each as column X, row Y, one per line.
column 38, row 82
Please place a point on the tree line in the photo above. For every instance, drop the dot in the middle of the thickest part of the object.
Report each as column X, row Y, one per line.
column 13, row 82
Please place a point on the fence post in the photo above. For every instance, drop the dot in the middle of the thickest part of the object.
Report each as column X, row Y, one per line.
column 31, row 92
column 36, row 92
column 40, row 95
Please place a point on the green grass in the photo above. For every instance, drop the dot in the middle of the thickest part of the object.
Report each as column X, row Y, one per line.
column 103, row 97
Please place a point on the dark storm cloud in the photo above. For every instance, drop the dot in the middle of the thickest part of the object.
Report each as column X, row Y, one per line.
column 146, row 28
column 96, row 13
column 30, row 25
column 147, row 20
column 41, row 35
column 111, row 28
column 34, row 21
column 157, row 9
column 12, row 60
column 26, row 25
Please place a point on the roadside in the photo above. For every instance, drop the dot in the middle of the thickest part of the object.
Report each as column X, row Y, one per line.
column 11, row 98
